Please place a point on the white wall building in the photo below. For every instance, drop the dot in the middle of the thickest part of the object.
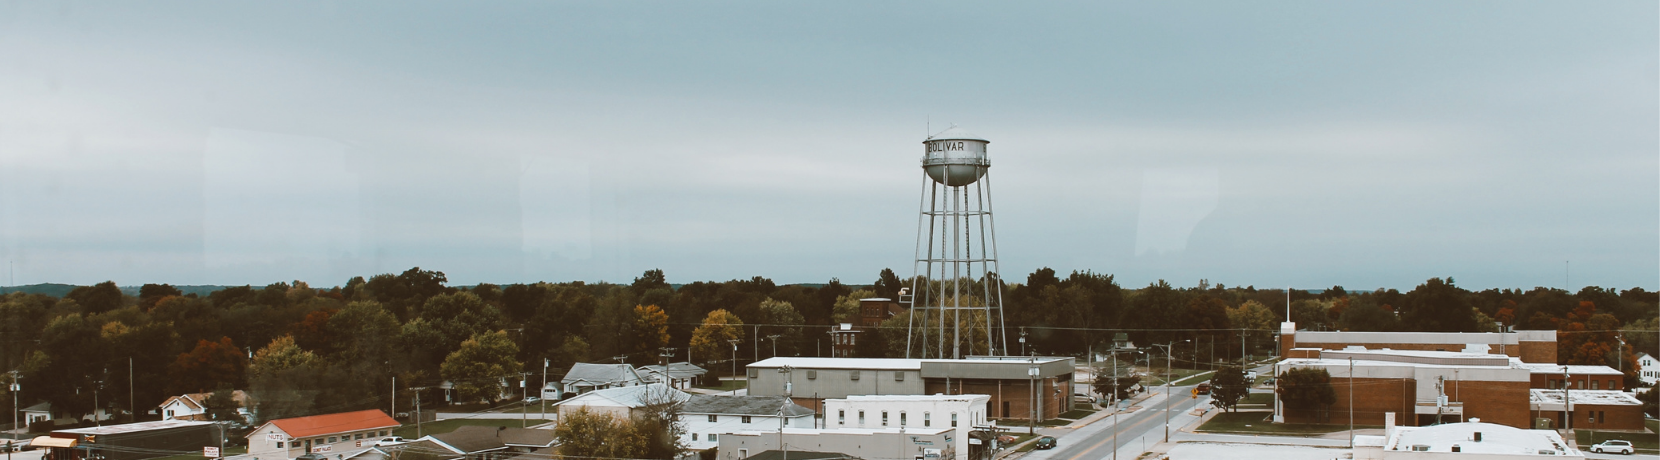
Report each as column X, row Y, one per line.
column 1650, row 369
column 1461, row 441
column 708, row 417
column 960, row 412
column 621, row 402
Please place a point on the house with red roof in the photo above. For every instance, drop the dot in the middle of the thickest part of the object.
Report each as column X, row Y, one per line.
column 342, row 432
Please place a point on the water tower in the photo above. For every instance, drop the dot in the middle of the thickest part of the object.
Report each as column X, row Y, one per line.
column 955, row 298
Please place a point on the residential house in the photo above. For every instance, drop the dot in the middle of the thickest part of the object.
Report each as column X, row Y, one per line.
column 678, row 375
column 422, row 449
column 707, row 417
column 621, row 402
column 193, row 406
column 586, row 377
column 293, row 437
column 37, row 413
column 1649, row 369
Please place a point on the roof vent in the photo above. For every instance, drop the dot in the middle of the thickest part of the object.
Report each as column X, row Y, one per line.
column 1478, row 436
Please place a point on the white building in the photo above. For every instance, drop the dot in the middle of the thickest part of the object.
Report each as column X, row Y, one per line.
column 620, row 402
column 193, row 406
column 678, row 375
column 293, row 437
column 708, row 417
column 959, row 412
column 585, row 377
column 1468, row 440
column 875, row 444
column 1650, row 369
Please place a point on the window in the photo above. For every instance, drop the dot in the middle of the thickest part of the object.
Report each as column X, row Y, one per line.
column 953, row 419
column 170, row 413
column 1611, row 385
column 712, row 437
column 812, row 375
column 1595, row 384
column 901, row 418
column 694, row 436
column 1602, row 417
column 357, row 436
column 746, row 419
column 841, row 416
column 279, row 444
column 861, row 418
column 714, row 418
column 927, row 420
column 332, row 439
column 853, row 375
column 753, row 372
column 899, row 376
column 884, row 418
column 1590, row 416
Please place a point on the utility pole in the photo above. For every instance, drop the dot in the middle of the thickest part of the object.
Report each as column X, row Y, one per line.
column 734, row 343
column 543, row 400
column 132, row 406
column 418, row 412
column 1031, row 377
column 394, row 413
column 12, row 444
column 1352, row 403
column 524, row 393
column 1114, row 400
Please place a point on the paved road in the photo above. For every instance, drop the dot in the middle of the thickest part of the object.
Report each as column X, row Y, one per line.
column 1136, row 430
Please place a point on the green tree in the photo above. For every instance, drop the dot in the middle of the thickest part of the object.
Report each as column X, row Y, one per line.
column 1307, row 389
column 1228, row 387
column 1119, row 383
column 710, row 340
column 283, row 379
column 783, row 320
column 222, row 405
column 846, row 309
column 149, row 294
column 1365, row 315
column 98, row 298
column 477, row 368
column 888, row 285
column 1438, row 306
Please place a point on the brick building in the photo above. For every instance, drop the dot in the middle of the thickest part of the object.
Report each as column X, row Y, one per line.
column 1592, row 409
column 1575, row 377
column 1529, row 346
column 1426, row 387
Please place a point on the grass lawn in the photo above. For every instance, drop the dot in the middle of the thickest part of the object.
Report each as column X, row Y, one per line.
column 1079, row 413
column 229, row 451
column 1642, row 441
column 1195, row 378
column 1155, row 376
column 445, row 426
column 728, row 385
column 1257, row 423
column 1265, row 399
column 1653, row 425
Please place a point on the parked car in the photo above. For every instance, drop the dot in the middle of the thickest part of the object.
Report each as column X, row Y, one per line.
column 1203, row 388
column 1613, row 445
column 1251, row 376
column 1046, row 442
column 390, row 441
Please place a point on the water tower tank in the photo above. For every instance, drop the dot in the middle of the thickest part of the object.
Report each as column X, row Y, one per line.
column 954, row 157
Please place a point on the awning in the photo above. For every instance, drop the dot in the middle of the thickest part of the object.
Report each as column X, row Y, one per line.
column 48, row 441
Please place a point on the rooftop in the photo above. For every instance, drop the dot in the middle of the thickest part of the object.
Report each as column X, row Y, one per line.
column 1590, row 397
column 134, row 427
column 1495, row 439
column 742, row 405
column 598, row 373
column 887, row 363
column 630, row 396
column 302, row 427
column 933, row 397
column 1573, row 369
column 799, row 455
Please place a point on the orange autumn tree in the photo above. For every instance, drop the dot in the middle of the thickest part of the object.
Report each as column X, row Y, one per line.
column 208, row 366
column 651, row 328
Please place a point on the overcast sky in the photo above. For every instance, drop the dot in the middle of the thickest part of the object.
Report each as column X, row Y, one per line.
column 1506, row 144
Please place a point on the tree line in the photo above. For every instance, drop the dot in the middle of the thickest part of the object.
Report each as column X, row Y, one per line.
column 302, row 350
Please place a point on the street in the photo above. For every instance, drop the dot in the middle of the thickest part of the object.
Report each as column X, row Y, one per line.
column 1137, row 430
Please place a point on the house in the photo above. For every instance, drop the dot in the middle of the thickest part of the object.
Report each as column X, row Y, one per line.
column 193, row 406
column 293, row 437
column 677, row 375
column 844, row 340
column 586, row 377
column 621, row 402
column 37, row 413
column 1649, row 369
column 1473, row 440
column 962, row 413
column 882, row 443
column 422, row 449
column 491, row 442
column 707, row 417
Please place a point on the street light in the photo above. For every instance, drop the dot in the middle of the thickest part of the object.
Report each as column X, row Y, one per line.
column 1023, row 340
column 1167, row 364
column 774, row 338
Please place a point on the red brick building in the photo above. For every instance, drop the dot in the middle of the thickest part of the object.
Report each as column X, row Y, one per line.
column 1591, row 409
column 1424, row 387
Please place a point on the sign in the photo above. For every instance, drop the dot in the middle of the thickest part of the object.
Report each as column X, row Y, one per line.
column 273, row 436
column 323, row 448
column 210, row 452
column 360, row 444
